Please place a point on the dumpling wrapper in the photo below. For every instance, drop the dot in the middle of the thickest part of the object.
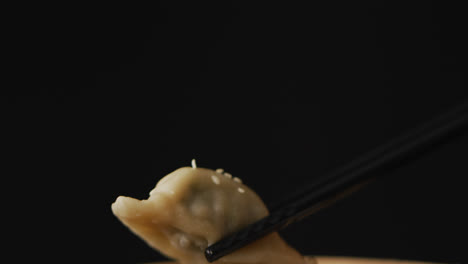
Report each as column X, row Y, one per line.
column 192, row 208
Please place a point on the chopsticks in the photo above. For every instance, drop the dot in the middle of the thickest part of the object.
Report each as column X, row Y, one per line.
column 349, row 178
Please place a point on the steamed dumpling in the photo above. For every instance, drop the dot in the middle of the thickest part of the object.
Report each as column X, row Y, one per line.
column 192, row 208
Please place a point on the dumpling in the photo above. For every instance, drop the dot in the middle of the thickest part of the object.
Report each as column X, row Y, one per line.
column 192, row 208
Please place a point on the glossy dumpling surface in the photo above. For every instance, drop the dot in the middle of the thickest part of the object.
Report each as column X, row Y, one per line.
column 192, row 208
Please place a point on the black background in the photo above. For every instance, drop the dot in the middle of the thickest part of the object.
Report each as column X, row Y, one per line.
column 108, row 99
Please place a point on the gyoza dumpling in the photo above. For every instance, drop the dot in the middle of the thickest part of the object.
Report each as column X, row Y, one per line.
column 192, row 208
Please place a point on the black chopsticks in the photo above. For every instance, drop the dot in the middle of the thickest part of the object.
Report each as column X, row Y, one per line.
column 335, row 185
